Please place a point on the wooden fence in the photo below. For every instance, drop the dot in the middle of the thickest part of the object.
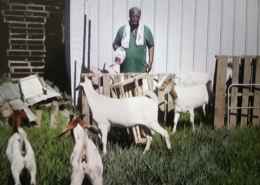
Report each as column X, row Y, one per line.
column 237, row 98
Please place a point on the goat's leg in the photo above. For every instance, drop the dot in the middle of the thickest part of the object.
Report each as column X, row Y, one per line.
column 204, row 114
column 77, row 177
column 192, row 118
column 104, row 130
column 175, row 122
column 157, row 128
column 203, row 108
column 32, row 170
column 16, row 168
column 148, row 143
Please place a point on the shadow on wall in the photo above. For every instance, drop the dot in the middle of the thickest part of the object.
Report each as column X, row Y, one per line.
column 55, row 67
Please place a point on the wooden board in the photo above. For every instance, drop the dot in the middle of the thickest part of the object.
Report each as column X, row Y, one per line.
column 234, row 91
column 247, row 72
column 220, row 92
column 106, row 85
column 256, row 112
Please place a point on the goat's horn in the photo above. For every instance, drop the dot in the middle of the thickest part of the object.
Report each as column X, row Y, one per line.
column 62, row 133
column 93, row 129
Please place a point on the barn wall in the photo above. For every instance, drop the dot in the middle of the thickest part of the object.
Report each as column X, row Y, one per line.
column 188, row 34
column 77, row 8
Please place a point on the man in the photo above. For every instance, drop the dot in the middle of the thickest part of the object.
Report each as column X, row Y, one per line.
column 134, row 38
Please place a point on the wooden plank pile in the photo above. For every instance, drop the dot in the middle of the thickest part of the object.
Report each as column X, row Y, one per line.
column 242, row 94
column 26, row 50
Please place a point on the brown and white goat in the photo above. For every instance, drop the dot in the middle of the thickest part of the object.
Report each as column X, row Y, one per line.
column 185, row 99
column 21, row 155
column 85, row 158
column 78, row 120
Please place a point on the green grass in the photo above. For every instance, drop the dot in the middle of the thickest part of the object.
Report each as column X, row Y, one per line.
column 206, row 156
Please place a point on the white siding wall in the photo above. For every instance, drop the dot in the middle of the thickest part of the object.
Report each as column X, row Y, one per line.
column 188, row 34
column 76, row 39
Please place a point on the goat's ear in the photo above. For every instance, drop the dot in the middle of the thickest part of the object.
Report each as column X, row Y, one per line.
column 95, row 86
column 71, row 118
column 93, row 129
column 173, row 93
column 62, row 133
column 168, row 88
column 82, row 116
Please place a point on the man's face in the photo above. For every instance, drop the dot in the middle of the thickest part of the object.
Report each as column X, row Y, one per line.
column 135, row 17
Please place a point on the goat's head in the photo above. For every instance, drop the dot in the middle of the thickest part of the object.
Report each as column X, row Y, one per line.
column 74, row 122
column 167, row 85
column 87, row 81
column 18, row 119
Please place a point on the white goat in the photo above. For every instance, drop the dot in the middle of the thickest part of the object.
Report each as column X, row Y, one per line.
column 85, row 159
column 127, row 112
column 185, row 99
column 191, row 78
column 20, row 155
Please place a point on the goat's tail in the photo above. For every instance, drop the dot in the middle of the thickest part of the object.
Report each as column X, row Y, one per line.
column 151, row 95
column 23, row 137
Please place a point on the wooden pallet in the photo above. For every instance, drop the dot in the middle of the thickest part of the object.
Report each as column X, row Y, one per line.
column 25, row 13
column 26, row 53
column 26, row 7
column 246, row 70
column 132, row 87
column 26, row 39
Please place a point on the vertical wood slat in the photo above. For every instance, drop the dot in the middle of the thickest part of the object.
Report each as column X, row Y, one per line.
column 150, row 81
column 106, row 85
column 220, row 92
column 160, row 93
column 256, row 112
column 245, row 95
column 234, row 91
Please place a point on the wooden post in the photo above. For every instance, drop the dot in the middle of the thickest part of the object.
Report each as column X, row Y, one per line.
column 245, row 95
column 234, row 91
column 220, row 92
column 256, row 112
column 106, row 85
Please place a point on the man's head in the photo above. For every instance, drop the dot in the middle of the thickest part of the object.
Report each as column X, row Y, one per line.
column 134, row 15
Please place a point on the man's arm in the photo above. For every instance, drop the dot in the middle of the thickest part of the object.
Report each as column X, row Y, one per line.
column 117, row 42
column 150, row 63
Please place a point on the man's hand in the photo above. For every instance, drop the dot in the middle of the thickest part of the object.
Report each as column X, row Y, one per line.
column 150, row 63
column 115, row 47
column 149, row 67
